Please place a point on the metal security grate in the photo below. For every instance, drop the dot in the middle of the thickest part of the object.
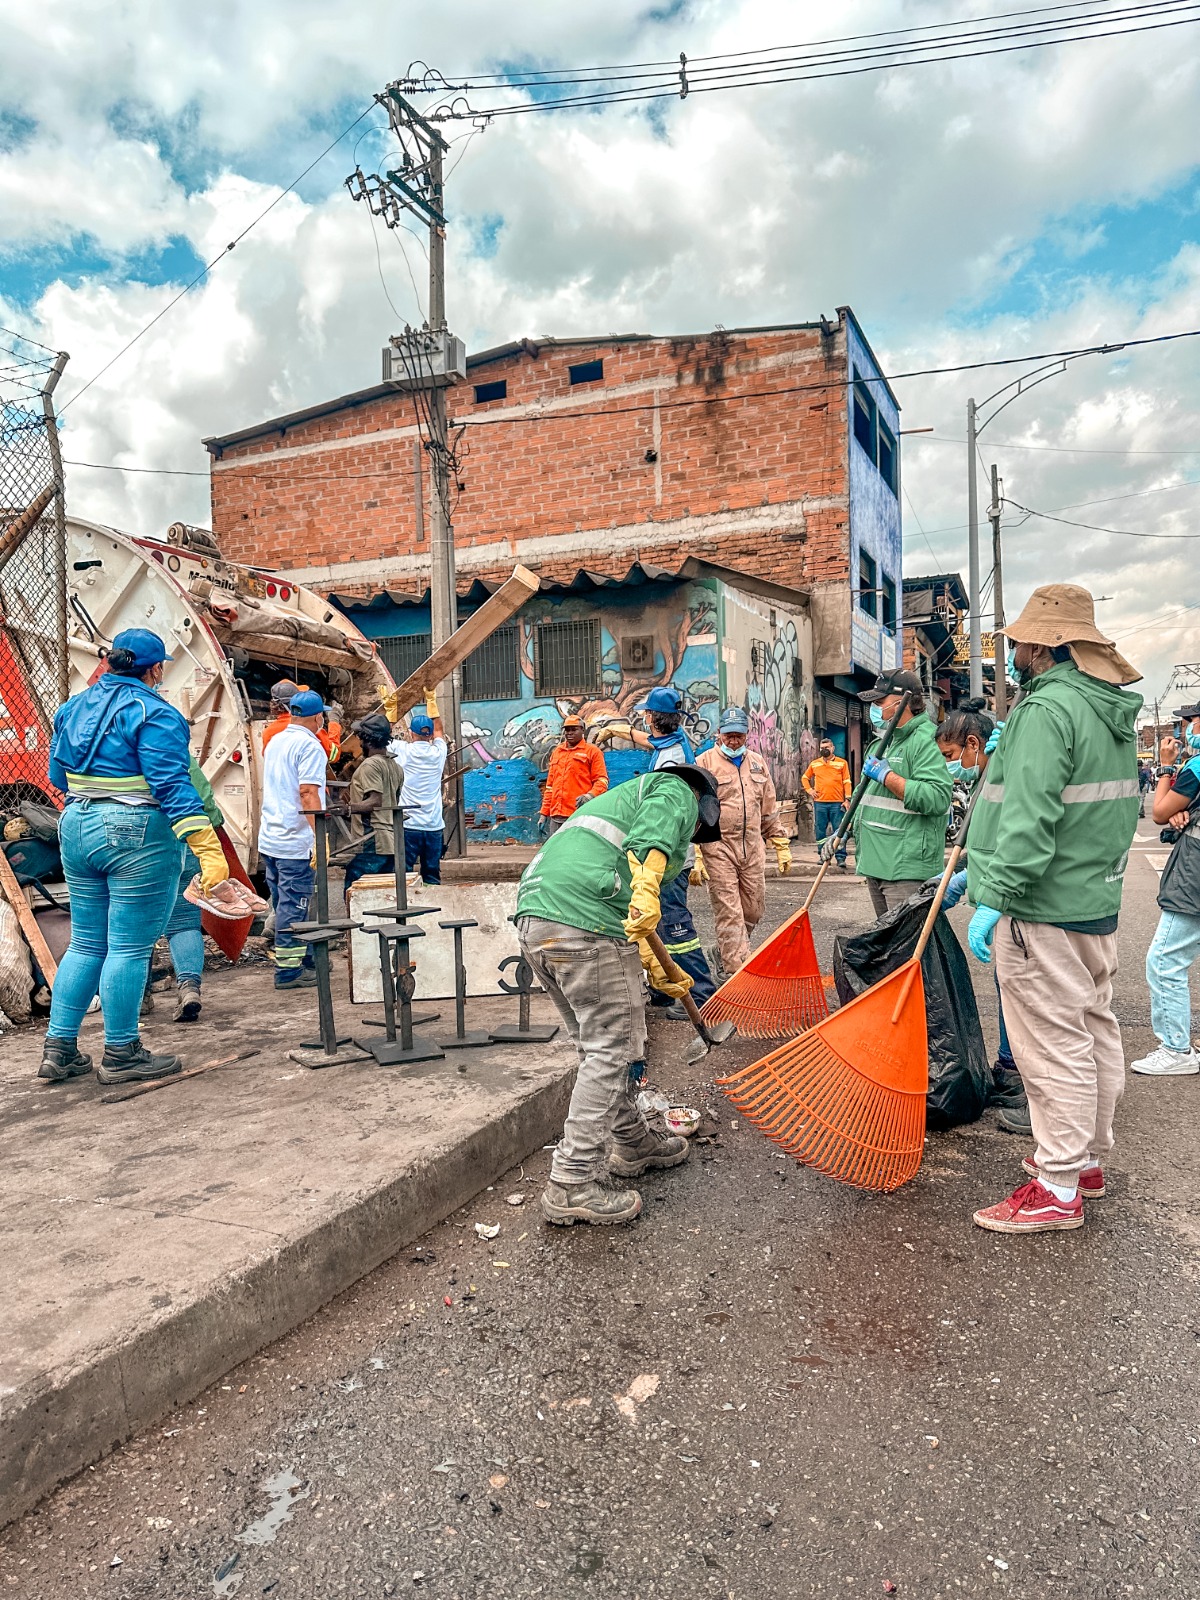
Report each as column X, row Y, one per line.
column 403, row 653
column 493, row 672
column 567, row 657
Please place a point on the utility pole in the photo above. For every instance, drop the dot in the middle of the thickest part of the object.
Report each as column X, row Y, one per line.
column 1000, row 658
column 974, row 621
column 425, row 362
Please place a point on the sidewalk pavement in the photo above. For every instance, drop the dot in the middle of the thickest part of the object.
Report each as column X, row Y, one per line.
column 152, row 1245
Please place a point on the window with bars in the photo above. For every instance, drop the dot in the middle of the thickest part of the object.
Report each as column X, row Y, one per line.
column 567, row 657
column 404, row 653
column 493, row 672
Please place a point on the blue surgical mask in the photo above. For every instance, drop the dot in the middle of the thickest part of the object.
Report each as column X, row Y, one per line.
column 878, row 720
column 732, row 755
column 962, row 774
column 1193, row 741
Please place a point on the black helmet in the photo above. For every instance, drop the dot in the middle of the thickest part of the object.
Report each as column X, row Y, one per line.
column 704, row 786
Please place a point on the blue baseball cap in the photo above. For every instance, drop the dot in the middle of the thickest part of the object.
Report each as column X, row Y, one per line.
column 733, row 720
column 307, row 703
column 667, row 700
column 146, row 648
column 421, row 723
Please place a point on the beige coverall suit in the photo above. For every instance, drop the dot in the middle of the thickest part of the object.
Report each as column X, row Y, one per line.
column 736, row 864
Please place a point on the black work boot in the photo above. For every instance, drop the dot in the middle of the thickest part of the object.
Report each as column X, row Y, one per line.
column 1015, row 1119
column 63, row 1059
column 133, row 1063
column 1006, row 1088
column 187, row 1003
column 567, row 1203
column 653, row 1149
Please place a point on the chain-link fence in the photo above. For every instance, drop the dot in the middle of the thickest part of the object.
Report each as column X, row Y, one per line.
column 33, row 567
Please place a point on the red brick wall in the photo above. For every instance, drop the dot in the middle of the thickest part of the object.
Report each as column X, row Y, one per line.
column 758, row 484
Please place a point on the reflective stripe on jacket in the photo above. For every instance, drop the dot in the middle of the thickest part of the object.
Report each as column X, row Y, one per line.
column 581, row 875
column 1050, row 835
column 898, row 839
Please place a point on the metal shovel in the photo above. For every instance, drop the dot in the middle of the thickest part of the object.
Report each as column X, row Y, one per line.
column 706, row 1037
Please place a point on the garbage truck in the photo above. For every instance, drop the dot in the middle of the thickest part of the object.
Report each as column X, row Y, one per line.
column 232, row 631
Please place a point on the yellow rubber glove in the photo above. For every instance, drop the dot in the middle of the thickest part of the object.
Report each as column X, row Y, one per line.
column 675, row 987
column 699, row 873
column 206, row 848
column 646, row 882
column 783, row 854
column 431, row 705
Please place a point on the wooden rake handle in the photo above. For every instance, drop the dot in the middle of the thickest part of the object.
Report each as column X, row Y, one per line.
column 914, row 961
column 675, row 973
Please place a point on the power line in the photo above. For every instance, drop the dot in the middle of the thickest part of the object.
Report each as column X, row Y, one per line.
column 1070, row 522
column 686, row 79
column 204, row 271
column 1062, row 449
column 160, row 472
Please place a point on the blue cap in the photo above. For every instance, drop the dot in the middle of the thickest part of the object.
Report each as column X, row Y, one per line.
column 667, row 700
column 421, row 723
column 307, row 703
column 147, row 648
column 733, row 720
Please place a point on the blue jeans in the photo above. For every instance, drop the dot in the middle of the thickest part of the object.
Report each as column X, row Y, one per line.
column 678, row 932
column 1175, row 945
column 424, row 845
column 121, row 864
column 291, row 884
column 183, row 931
column 367, row 863
column 828, row 814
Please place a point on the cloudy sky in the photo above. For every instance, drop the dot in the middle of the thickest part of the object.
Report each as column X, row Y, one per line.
column 1002, row 206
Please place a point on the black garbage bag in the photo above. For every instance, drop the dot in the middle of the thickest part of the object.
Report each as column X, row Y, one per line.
column 958, row 1065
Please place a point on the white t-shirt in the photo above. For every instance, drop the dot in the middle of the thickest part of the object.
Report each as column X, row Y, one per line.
column 294, row 756
column 422, row 763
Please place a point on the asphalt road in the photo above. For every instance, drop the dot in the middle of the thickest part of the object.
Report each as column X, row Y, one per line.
column 769, row 1386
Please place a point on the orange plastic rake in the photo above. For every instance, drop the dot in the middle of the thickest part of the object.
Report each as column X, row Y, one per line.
column 779, row 990
column 848, row 1096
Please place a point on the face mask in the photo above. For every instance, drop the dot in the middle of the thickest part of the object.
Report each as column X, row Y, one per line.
column 1023, row 677
column 1193, row 741
column 878, row 720
column 732, row 755
column 962, row 774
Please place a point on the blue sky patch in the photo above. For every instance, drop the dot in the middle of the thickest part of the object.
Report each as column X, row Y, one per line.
column 24, row 276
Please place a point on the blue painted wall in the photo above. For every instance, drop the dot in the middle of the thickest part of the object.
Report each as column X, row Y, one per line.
column 874, row 520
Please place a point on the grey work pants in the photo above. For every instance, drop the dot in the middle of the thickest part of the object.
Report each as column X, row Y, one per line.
column 596, row 984
column 887, row 895
column 1058, row 989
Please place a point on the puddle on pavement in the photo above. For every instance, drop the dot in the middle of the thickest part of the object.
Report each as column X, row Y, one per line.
column 285, row 1491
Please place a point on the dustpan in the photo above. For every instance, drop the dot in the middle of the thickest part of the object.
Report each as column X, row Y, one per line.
column 779, row 989
column 848, row 1096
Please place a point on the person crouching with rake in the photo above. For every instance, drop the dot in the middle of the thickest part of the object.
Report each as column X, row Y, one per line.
column 585, row 906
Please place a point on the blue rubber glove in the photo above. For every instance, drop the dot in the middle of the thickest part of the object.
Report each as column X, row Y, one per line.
column 876, row 768
column 980, row 930
column 955, row 889
column 994, row 740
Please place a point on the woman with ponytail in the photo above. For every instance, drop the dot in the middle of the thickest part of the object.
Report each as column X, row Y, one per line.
column 120, row 754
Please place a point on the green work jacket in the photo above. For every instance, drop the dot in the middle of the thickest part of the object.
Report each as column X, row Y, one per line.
column 897, row 839
column 1051, row 832
column 581, row 875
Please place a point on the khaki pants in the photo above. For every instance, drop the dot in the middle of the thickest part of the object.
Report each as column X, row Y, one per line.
column 737, row 888
column 1057, row 989
column 888, row 893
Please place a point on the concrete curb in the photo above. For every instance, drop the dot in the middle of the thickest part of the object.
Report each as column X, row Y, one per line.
column 57, row 1426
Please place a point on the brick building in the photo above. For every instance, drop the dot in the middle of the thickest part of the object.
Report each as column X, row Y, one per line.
column 773, row 452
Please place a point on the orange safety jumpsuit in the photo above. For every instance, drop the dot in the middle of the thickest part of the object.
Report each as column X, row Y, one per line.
column 737, row 862
column 576, row 774
column 330, row 737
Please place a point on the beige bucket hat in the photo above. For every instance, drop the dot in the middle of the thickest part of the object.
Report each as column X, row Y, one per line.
column 1065, row 614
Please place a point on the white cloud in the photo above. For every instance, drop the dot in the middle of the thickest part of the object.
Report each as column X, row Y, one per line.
column 910, row 195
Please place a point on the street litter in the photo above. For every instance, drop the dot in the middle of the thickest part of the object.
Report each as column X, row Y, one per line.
column 497, row 1480
column 487, row 1230
column 651, row 1103
column 640, row 1390
column 500, row 1263
column 683, row 1120
column 515, row 1199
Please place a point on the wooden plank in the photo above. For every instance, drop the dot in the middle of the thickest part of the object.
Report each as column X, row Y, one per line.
column 480, row 625
column 15, row 896
column 287, row 652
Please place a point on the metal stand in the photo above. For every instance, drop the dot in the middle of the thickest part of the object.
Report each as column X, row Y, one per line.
column 524, row 986
column 329, row 1050
column 461, row 1039
column 398, row 980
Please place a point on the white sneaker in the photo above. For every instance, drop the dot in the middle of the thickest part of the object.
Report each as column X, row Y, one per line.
column 1165, row 1063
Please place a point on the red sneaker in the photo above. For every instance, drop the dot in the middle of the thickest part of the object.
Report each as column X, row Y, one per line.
column 1091, row 1179
column 1031, row 1209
